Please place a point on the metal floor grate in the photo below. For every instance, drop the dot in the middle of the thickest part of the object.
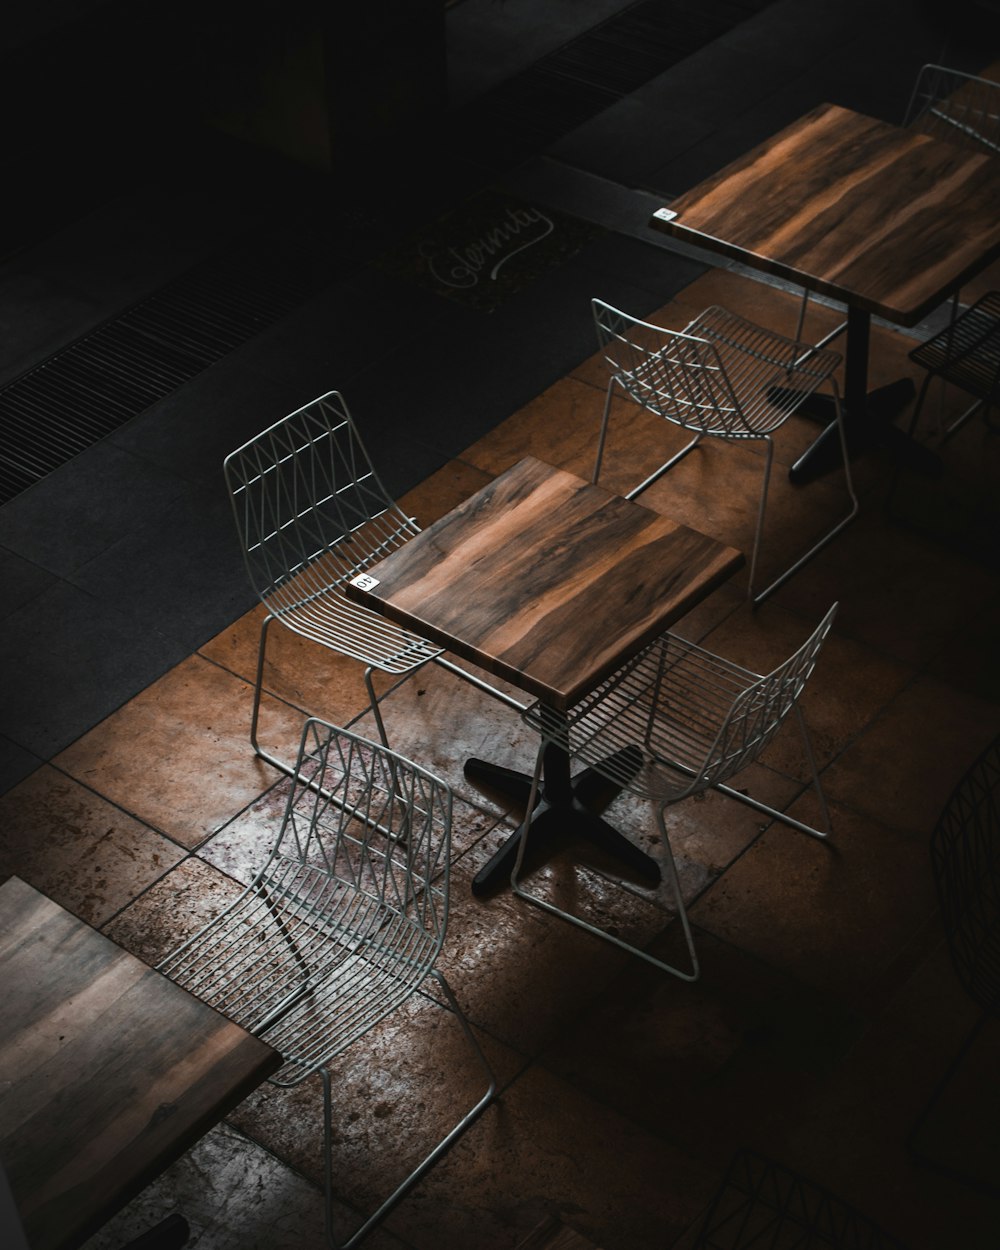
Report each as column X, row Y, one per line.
column 90, row 388
column 590, row 73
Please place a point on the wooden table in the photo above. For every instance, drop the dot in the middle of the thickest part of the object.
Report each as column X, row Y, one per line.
column 550, row 583
column 108, row 1071
column 888, row 221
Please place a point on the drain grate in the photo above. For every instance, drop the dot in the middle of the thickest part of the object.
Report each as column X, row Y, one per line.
column 90, row 388
column 590, row 73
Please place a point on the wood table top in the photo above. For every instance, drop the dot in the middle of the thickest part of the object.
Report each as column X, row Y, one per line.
column 109, row 1071
column 547, row 581
column 885, row 219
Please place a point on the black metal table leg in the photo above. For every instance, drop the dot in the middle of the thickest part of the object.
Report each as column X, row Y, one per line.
column 869, row 416
column 561, row 813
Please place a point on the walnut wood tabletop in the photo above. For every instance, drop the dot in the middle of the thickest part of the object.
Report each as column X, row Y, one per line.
column 886, row 220
column 108, row 1071
column 551, row 583
column 546, row 580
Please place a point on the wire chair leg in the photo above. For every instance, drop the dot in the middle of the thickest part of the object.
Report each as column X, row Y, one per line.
column 376, row 711
column 668, row 464
column 429, row 1160
column 604, row 432
column 259, row 751
column 749, row 801
column 852, row 512
column 545, row 905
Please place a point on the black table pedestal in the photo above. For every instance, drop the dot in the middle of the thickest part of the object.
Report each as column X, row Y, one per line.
column 561, row 813
column 869, row 416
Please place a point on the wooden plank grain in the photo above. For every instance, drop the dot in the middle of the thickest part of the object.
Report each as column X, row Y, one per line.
column 886, row 219
column 547, row 581
column 109, row 1070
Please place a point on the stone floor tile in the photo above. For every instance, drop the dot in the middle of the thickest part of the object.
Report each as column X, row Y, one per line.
column 835, row 914
column 523, row 1162
column 172, row 910
column 902, row 769
column 267, row 1205
column 178, row 755
column 395, row 1093
column 81, row 850
column 711, row 1066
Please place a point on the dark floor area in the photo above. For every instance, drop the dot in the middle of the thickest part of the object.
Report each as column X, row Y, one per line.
column 125, row 592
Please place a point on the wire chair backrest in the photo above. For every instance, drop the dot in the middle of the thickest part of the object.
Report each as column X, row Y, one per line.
column 965, row 863
column 955, row 106
column 677, row 376
column 363, row 816
column 758, row 711
column 304, row 490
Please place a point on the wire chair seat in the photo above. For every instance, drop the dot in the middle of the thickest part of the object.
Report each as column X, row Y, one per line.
column 312, row 603
column 723, row 377
column 675, row 721
column 307, row 964
column 342, row 925
column 657, row 726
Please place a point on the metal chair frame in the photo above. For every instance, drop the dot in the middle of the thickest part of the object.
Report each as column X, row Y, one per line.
column 721, row 377
column 675, row 721
column 341, row 926
column 312, row 513
column 966, row 354
column 957, row 107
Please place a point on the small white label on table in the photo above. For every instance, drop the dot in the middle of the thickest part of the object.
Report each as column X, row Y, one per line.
column 364, row 581
column 665, row 214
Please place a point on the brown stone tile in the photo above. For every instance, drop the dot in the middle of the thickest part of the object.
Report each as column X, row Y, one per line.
column 836, row 914
column 297, row 671
column 714, row 1064
column 524, row 1161
column 560, row 427
column 173, row 910
column 899, row 594
column 855, row 1132
column 971, row 660
column 77, row 847
column 902, row 769
column 396, row 1092
column 178, row 755
column 518, row 970
column 434, row 497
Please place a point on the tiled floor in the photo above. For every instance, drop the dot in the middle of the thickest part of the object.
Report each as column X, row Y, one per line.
column 827, row 1008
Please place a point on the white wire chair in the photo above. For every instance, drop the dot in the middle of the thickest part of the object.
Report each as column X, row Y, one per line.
column 957, row 107
column 966, row 354
column 675, row 721
column 311, row 514
column 341, row 926
column 721, row 377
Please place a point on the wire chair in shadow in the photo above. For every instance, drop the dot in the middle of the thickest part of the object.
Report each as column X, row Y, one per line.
column 342, row 925
column 674, row 722
column 721, row 377
column 312, row 514
column 763, row 1205
column 965, row 864
column 965, row 354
